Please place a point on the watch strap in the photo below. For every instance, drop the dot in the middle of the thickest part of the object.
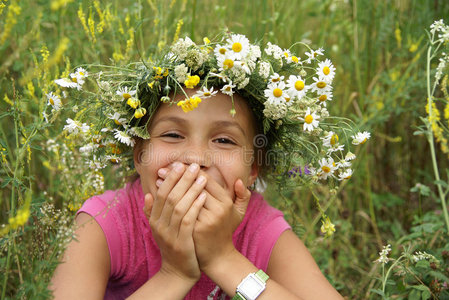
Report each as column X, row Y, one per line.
column 262, row 276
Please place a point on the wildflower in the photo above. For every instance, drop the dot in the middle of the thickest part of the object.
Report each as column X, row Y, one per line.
column 310, row 120
column 189, row 104
column 228, row 89
column 327, row 227
column 349, row 156
column 113, row 159
column 360, row 138
column 345, row 174
column 331, row 141
column 140, row 112
column 125, row 93
column 181, row 72
column 343, row 163
column 324, row 97
column 220, row 51
column 123, row 137
column 264, row 69
column 81, row 74
column 180, row 48
column 321, row 86
column 54, row 101
column 192, row 81
column 205, row 93
column 312, row 55
column 276, row 78
column 326, row 70
column 225, row 62
column 296, row 86
column 275, row 111
column 116, row 118
column 65, row 82
column 133, row 102
column 274, row 50
column 276, row 92
column 75, row 126
column 383, row 254
column 238, row 46
column 423, row 256
column 327, row 168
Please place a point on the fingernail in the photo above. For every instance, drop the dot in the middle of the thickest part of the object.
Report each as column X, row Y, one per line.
column 193, row 167
column 159, row 182
column 200, row 179
column 162, row 172
column 178, row 166
column 202, row 196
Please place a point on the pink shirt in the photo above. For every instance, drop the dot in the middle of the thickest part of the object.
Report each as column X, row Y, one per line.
column 135, row 257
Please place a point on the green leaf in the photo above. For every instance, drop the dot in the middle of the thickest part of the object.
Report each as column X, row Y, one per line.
column 442, row 183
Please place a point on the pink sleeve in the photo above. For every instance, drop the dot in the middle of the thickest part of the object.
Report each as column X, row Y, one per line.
column 106, row 216
column 269, row 234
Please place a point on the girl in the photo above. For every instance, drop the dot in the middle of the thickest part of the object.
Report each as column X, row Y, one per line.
column 189, row 226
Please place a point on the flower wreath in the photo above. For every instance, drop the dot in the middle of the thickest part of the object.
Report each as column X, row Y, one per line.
column 287, row 94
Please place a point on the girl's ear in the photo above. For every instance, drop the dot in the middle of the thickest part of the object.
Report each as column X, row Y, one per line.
column 253, row 174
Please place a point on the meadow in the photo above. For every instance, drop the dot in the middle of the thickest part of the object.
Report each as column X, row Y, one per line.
column 387, row 62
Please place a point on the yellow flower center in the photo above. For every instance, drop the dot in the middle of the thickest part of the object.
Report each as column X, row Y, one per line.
column 228, row 63
column 82, row 73
column 287, row 99
column 348, row 177
column 237, row 47
column 363, row 142
column 299, row 85
column 74, row 80
column 326, row 169
column 276, row 79
column 52, row 101
column 334, row 139
column 295, row 59
column 207, row 94
column 126, row 96
column 322, row 98
column 321, row 84
column 117, row 122
column 326, row 70
column 286, row 54
column 222, row 50
column 277, row 92
column 308, row 119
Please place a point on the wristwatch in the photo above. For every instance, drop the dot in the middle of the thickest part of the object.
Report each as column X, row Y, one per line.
column 252, row 286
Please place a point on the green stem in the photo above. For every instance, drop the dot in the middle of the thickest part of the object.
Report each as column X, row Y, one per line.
column 430, row 138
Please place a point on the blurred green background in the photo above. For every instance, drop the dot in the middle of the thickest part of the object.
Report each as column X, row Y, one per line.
column 379, row 50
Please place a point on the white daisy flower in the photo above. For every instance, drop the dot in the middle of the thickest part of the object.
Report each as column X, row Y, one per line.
column 225, row 62
column 75, row 126
column 360, row 138
column 324, row 97
column 124, row 137
column 310, row 120
column 286, row 54
column 276, row 78
column 294, row 59
column 238, row 46
column 221, row 76
column 343, row 164
column 205, row 93
column 81, row 73
column 78, row 79
column 113, row 158
column 326, row 70
column 65, row 82
column 327, row 168
column 125, row 93
column 228, row 89
column 345, row 175
column 330, row 141
column 88, row 148
column 320, row 86
column 350, row 156
column 220, row 51
column 54, row 101
column 116, row 118
column 313, row 54
column 276, row 93
column 296, row 87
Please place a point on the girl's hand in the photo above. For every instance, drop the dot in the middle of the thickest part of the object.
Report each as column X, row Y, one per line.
column 173, row 214
column 217, row 221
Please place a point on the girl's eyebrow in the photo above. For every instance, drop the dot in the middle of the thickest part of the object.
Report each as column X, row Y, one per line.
column 216, row 124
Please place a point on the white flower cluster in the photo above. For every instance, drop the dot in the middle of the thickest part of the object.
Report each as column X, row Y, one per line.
column 383, row 255
column 442, row 30
column 423, row 256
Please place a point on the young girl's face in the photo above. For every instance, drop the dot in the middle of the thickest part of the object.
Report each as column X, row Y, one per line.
column 220, row 144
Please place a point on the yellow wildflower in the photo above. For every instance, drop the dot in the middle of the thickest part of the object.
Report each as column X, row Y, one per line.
column 133, row 102
column 178, row 30
column 11, row 19
column 140, row 112
column 327, row 228
column 192, row 81
column 189, row 104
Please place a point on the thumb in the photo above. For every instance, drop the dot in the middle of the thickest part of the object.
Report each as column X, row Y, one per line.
column 242, row 196
column 148, row 205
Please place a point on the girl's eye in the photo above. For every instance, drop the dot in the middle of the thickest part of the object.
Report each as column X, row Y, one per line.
column 171, row 135
column 225, row 141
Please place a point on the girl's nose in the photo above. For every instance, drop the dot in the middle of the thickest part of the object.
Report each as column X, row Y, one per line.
column 197, row 154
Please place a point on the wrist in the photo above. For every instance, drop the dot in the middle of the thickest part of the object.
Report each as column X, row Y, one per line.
column 178, row 277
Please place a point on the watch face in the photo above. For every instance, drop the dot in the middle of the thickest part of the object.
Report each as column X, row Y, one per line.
column 251, row 287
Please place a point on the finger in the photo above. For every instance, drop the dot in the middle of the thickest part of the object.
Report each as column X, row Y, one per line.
column 216, row 190
column 189, row 220
column 185, row 203
column 165, row 187
column 242, row 197
column 178, row 192
column 148, row 205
